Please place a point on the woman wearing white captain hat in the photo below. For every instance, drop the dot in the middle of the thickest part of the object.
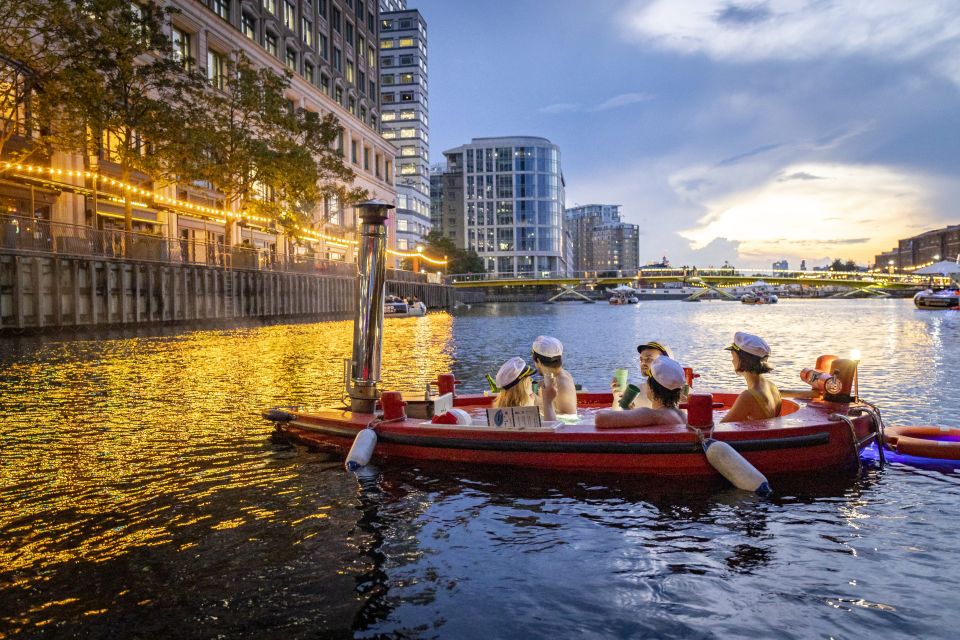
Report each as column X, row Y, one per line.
column 516, row 387
column 663, row 389
column 761, row 400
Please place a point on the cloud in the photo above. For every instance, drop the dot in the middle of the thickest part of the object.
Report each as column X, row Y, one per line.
column 928, row 32
column 753, row 152
column 799, row 175
column 616, row 102
column 622, row 100
column 854, row 211
column 560, row 107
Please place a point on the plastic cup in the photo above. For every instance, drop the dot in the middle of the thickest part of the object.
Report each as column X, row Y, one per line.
column 628, row 395
column 620, row 375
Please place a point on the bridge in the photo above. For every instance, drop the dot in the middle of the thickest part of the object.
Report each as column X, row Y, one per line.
column 870, row 282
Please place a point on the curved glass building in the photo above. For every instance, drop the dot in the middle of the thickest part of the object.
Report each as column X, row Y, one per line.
column 504, row 198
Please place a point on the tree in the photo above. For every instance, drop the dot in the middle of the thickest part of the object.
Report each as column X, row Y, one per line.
column 840, row 265
column 34, row 52
column 458, row 260
column 265, row 155
column 127, row 93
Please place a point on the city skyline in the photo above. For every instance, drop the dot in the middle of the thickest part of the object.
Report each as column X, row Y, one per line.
column 743, row 132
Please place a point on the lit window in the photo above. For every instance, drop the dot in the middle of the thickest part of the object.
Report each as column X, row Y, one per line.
column 291, row 59
column 290, row 15
column 408, row 133
column 408, row 169
column 216, row 69
column 306, row 27
column 406, row 42
column 249, row 26
column 406, row 78
column 386, row 44
column 408, row 151
column 371, row 57
column 270, row 44
column 390, row 135
column 386, row 25
column 408, row 114
column 271, row 6
column 389, row 116
column 181, row 47
column 221, row 8
column 349, row 72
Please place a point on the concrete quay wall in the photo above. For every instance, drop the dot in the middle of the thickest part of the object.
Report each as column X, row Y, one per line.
column 51, row 291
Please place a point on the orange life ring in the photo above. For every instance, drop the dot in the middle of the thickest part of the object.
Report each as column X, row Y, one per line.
column 925, row 441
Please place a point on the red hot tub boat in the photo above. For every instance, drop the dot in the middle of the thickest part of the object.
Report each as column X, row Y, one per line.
column 808, row 437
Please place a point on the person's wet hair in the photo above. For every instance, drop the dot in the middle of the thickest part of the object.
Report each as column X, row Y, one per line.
column 750, row 363
column 666, row 397
column 550, row 363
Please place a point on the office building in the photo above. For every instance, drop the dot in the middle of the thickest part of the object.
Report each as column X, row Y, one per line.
column 504, row 198
column 404, row 115
column 600, row 241
column 781, row 265
column 922, row 249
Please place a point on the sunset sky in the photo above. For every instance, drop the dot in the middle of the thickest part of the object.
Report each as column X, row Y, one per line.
column 741, row 131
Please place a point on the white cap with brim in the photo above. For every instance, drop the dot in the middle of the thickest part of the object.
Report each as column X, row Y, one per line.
column 749, row 343
column 668, row 373
column 513, row 371
column 548, row 347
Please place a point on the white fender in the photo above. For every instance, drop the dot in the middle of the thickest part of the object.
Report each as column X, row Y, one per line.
column 735, row 468
column 362, row 449
column 463, row 418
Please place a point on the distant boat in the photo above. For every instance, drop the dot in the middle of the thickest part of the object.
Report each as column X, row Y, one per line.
column 944, row 299
column 395, row 307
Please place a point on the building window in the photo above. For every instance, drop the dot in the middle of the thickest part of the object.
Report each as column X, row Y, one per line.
column 363, row 113
column 406, row 42
column 325, row 83
column 386, row 44
column 290, row 15
column 372, row 89
column 248, row 24
column 387, row 97
column 386, row 61
column 366, row 158
column 406, row 23
column 389, row 116
column 370, row 22
column 359, row 12
column 292, row 60
column 337, row 59
column 322, row 41
column 338, row 94
column 352, row 105
column 181, row 47
column 354, row 157
column 361, row 46
column 389, row 135
column 409, row 151
column 221, row 8
column 270, row 44
column 386, row 78
column 216, row 69
column 408, row 114
column 408, row 132
column 271, row 6
column 406, row 61
column 309, row 72
column 362, row 82
column 348, row 32
column 406, row 96
column 371, row 57
column 306, row 27
column 386, row 25
column 406, row 78
column 349, row 73
column 408, row 169
column 335, row 19
column 322, row 7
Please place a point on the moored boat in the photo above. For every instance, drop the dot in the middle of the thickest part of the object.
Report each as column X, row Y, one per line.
column 394, row 307
column 943, row 299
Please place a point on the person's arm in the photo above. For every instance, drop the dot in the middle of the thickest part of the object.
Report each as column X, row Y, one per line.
column 744, row 407
column 642, row 417
column 548, row 393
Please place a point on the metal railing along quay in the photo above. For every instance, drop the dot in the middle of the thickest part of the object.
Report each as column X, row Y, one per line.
column 32, row 236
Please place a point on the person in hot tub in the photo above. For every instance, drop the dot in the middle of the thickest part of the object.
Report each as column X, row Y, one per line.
column 663, row 388
column 547, row 353
column 516, row 386
column 761, row 400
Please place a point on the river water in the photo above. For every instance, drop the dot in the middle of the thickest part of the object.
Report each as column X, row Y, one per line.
column 141, row 495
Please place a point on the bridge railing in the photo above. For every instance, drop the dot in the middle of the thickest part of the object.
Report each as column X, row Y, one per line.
column 690, row 274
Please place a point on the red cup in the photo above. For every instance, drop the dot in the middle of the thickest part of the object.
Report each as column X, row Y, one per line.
column 700, row 409
column 446, row 383
column 393, row 404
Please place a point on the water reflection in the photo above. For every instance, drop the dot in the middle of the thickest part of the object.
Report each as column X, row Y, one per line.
column 139, row 485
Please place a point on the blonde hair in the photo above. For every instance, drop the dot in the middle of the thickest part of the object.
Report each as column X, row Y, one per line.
column 518, row 395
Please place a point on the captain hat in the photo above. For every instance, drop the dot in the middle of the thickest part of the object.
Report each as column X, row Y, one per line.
column 749, row 343
column 548, row 347
column 668, row 373
column 513, row 371
column 659, row 346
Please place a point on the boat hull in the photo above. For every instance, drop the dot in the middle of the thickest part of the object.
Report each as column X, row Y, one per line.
column 937, row 301
column 804, row 441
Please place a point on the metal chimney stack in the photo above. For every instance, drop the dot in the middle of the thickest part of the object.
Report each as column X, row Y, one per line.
column 368, row 322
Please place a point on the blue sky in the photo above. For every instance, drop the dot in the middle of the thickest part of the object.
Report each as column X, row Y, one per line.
column 747, row 131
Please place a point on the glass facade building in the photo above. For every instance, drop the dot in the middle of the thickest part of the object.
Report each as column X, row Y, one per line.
column 511, row 193
column 405, row 115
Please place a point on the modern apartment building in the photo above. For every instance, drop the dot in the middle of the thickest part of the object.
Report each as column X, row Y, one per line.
column 405, row 115
column 600, row 240
column 330, row 47
column 503, row 198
